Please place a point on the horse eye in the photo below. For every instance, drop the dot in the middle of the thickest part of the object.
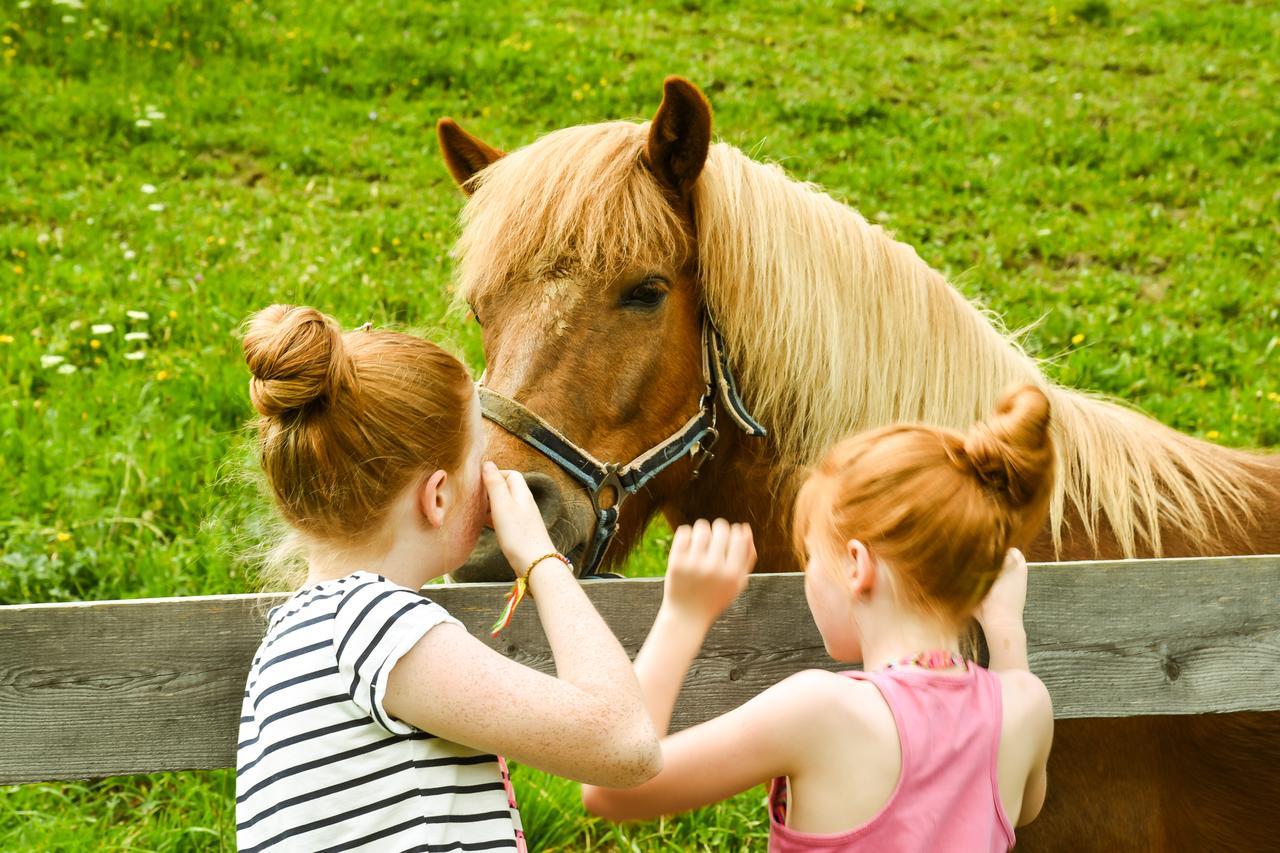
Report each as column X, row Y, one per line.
column 647, row 294
column 471, row 309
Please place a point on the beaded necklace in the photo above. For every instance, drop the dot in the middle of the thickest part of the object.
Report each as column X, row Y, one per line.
column 935, row 659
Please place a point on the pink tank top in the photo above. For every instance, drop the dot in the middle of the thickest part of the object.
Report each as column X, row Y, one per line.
column 948, row 795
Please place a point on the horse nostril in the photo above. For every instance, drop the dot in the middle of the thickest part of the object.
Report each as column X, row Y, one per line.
column 546, row 494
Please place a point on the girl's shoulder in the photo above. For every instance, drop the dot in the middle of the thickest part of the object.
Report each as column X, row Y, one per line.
column 851, row 706
column 353, row 593
column 1025, row 699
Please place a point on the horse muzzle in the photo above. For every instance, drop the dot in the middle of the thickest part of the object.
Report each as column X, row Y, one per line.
column 569, row 526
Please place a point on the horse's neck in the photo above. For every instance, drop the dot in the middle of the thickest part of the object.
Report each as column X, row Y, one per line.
column 1260, row 536
column 746, row 481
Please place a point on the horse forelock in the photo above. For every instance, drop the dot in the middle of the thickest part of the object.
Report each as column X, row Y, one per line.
column 571, row 210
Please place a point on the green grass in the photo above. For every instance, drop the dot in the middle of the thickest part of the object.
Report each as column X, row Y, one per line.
column 1105, row 170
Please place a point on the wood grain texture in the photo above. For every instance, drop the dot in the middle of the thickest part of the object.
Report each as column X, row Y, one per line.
column 101, row 688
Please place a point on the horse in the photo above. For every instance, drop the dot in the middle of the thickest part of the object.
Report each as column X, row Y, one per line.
column 647, row 295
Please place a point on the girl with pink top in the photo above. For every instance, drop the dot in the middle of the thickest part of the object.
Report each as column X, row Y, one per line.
column 909, row 532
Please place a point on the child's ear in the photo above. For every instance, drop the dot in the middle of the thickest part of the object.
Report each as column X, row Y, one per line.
column 863, row 572
column 432, row 500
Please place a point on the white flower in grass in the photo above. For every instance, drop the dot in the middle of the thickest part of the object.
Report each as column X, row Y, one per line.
column 102, row 328
column 136, row 355
column 75, row 324
column 47, row 361
column 142, row 122
column 148, row 189
column 66, row 369
column 157, row 207
column 136, row 336
column 155, row 115
column 138, row 315
column 130, row 254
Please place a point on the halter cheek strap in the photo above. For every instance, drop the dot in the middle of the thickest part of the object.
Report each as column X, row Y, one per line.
column 608, row 484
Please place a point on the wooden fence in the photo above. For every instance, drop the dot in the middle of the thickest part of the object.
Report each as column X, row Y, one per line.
column 107, row 687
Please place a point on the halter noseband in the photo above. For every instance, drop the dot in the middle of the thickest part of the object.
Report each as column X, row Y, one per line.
column 698, row 435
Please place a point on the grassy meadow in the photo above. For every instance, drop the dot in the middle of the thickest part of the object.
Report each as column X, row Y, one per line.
column 1106, row 171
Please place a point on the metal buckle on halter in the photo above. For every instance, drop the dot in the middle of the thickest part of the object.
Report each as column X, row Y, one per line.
column 703, row 447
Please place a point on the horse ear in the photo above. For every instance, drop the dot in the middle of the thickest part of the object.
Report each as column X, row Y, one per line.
column 679, row 136
column 464, row 154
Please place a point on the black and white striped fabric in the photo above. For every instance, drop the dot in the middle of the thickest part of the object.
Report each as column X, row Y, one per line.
column 321, row 765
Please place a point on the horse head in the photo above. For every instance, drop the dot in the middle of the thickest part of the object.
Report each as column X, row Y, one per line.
column 577, row 259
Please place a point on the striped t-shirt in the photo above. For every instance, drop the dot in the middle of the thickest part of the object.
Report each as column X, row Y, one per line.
column 321, row 765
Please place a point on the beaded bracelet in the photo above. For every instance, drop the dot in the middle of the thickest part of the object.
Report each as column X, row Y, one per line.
column 521, row 588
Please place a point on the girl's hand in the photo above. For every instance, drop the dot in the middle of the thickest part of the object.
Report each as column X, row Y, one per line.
column 707, row 568
column 1004, row 604
column 517, row 522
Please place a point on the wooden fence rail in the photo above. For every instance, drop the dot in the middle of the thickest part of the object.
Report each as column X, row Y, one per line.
column 108, row 687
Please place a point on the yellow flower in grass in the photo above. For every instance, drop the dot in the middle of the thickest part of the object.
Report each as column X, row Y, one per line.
column 1077, row 339
column 63, row 536
column 6, row 339
column 162, row 375
column 376, row 250
column 1212, row 434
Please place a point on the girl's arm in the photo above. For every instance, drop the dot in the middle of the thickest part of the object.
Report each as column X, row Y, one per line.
column 1028, row 711
column 706, row 570
column 1000, row 616
column 1029, row 706
column 588, row 724
column 766, row 737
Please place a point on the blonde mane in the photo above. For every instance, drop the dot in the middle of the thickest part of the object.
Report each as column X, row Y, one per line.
column 833, row 326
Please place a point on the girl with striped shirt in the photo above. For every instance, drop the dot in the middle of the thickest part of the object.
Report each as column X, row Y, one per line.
column 372, row 720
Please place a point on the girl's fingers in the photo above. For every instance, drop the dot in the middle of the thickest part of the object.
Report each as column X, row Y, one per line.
column 741, row 549
column 680, row 542
column 699, row 538
column 494, row 483
column 518, row 487
column 718, row 547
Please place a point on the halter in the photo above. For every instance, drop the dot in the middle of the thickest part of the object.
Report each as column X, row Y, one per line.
column 608, row 484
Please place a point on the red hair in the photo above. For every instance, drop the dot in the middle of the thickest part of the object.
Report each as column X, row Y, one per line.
column 347, row 420
column 940, row 506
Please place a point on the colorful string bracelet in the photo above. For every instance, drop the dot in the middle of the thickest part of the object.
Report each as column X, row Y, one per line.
column 521, row 588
